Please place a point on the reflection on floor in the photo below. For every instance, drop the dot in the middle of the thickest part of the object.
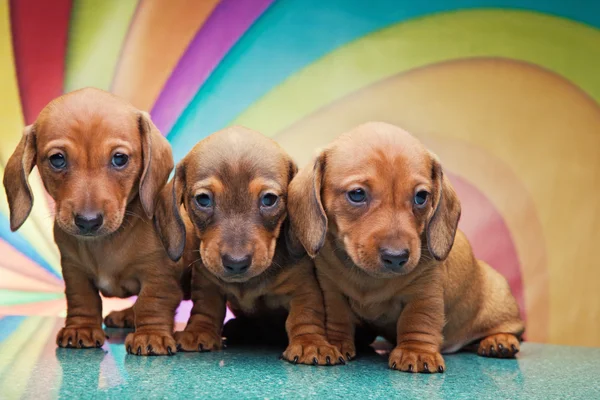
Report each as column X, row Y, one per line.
column 32, row 367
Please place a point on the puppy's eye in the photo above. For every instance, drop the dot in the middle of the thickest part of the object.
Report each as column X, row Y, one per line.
column 357, row 196
column 204, row 200
column 120, row 160
column 421, row 198
column 58, row 161
column 268, row 200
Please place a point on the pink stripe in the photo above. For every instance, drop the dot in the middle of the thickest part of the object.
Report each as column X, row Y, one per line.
column 227, row 23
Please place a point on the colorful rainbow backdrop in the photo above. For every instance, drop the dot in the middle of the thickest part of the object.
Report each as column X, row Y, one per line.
column 507, row 93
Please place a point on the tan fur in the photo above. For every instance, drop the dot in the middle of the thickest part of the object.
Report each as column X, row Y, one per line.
column 125, row 256
column 442, row 298
column 235, row 167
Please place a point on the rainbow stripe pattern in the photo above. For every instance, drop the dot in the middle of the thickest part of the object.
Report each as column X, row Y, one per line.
column 506, row 92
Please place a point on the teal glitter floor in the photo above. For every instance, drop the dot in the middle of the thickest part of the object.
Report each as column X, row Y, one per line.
column 31, row 367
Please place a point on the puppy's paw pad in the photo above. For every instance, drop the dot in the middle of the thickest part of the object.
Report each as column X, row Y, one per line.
column 345, row 347
column 80, row 337
column 151, row 343
column 313, row 352
column 120, row 319
column 501, row 345
column 412, row 360
column 201, row 341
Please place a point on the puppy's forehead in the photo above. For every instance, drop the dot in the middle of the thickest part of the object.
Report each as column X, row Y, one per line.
column 88, row 114
column 237, row 151
column 378, row 149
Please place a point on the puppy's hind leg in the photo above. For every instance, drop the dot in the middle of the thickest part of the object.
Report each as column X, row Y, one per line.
column 120, row 319
column 499, row 320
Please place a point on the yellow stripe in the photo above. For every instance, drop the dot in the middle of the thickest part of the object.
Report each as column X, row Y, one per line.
column 562, row 46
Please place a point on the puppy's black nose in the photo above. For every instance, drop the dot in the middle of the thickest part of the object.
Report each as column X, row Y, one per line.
column 394, row 260
column 88, row 223
column 236, row 265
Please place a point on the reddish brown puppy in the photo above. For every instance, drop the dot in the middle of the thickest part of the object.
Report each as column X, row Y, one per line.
column 103, row 162
column 377, row 208
column 229, row 197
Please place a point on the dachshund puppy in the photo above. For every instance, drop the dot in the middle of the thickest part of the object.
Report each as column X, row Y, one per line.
column 378, row 209
column 228, row 197
column 104, row 163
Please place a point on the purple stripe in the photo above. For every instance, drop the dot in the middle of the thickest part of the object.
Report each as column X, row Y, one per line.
column 227, row 23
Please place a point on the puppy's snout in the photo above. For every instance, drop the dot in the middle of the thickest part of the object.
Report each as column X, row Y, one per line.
column 235, row 264
column 89, row 222
column 394, row 259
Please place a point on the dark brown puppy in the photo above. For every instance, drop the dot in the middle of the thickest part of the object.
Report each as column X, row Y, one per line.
column 229, row 197
column 103, row 162
column 377, row 207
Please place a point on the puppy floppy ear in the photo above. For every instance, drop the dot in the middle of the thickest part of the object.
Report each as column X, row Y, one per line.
column 158, row 162
column 442, row 226
column 305, row 208
column 16, row 185
column 167, row 219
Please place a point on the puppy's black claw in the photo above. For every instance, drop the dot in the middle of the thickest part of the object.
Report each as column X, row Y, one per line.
column 295, row 360
column 98, row 343
column 342, row 361
column 281, row 356
column 328, row 360
column 394, row 366
column 425, row 367
column 483, row 353
column 80, row 343
column 410, row 368
column 169, row 351
column 200, row 348
column 514, row 349
column 441, row 369
column 178, row 346
column 70, row 342
column 315, row 361
column 492, row 351
column 129, row 350
column 60, row 342
column 503, row 350
column 149, row 349
column 106, row 336
column 139, row 351
column 348, row 357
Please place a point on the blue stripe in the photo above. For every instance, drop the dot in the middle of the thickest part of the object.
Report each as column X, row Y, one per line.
column 8, row 325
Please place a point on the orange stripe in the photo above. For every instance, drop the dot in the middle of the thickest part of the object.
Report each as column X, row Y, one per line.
column 159, row 34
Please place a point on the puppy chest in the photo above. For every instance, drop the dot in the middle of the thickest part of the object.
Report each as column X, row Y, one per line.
column 111, row 286
column 379, row 313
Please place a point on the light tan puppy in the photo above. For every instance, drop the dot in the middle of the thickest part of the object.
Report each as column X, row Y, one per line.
column 382, row 217
column 104, row 163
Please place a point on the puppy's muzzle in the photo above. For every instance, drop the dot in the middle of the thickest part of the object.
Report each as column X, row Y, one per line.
column 236, row 265
column 88, row 223
column 393, row 259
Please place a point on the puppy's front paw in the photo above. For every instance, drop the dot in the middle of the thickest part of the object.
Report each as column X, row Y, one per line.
column 345, row 346
column 413, row 360
column 500, row 345
column 198, row 341
column 313, row 351
column 151, row 343
column 80, row 337
column 120, row 319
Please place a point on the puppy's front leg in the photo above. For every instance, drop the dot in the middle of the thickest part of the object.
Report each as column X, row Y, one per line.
column 203, row 330
column 305, row 326
column 154, row 313
column 340, row 323
column 419, row 334
column 83, row 326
